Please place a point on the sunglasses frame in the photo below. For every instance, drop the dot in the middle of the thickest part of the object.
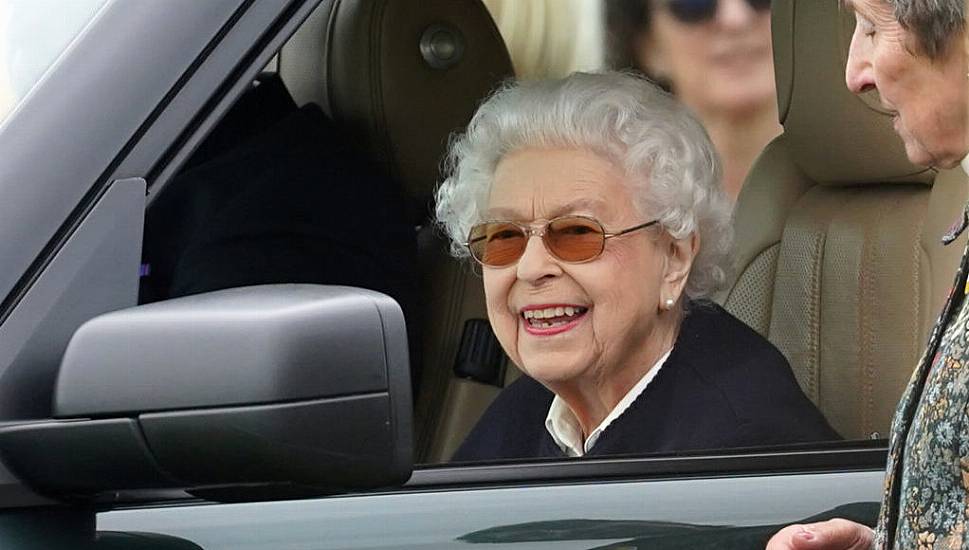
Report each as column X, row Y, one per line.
column 707, row 16
column 529, row 230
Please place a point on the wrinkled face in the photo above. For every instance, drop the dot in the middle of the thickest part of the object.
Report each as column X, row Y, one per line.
column 597, row 316
column 927, row 97
column 720, row 66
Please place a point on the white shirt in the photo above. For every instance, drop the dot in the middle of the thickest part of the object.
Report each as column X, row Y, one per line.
column 965, row 164
column 565, row 429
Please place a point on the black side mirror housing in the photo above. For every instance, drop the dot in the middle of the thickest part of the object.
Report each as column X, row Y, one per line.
column 263, row 390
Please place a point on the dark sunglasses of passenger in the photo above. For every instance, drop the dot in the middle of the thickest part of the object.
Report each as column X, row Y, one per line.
column 571, row 239
column 702, row 11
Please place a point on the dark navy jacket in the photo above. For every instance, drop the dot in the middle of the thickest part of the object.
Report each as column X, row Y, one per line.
column 722, row 386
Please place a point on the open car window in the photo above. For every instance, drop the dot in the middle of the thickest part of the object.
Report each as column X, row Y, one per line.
column 289, row 188
column 265, row 198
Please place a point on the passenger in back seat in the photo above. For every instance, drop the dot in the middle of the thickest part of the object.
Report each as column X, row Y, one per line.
column 604, row 310
column 716, row 57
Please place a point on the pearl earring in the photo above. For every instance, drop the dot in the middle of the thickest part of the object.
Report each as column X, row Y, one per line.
column 669, row 303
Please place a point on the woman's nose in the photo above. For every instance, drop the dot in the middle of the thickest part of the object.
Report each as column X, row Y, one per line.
column 859, row 72
column 536, row 263
column 736, row 14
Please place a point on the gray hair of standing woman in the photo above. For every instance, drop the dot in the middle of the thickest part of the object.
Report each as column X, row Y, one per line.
column 933, row 22
column 664, row 152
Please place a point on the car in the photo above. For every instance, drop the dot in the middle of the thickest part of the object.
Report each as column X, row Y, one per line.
column 296, row 415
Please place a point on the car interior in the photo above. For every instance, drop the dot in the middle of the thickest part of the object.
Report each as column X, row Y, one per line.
column 838, row 252
column 838, row 259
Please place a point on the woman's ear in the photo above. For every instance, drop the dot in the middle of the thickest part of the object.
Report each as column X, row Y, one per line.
column 679, row 260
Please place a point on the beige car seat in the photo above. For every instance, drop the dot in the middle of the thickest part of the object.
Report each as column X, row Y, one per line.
column 401, row 77
column 838, row 254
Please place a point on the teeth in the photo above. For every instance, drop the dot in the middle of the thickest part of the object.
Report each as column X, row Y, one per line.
column 551, row 312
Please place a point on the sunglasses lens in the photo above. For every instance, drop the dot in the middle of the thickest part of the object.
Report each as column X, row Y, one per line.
column 497, row 244
column 693, row 11
column 759, row 5
column 698, row 11
column 575, row 239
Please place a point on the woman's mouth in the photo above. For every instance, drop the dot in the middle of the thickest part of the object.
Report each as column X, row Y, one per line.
column 553, row 319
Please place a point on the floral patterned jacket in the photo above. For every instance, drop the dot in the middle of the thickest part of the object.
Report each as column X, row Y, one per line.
column 926, row 499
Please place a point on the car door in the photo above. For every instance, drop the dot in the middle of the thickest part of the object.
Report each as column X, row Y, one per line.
column 94, row 96
column 671, row 502
column 112, row 121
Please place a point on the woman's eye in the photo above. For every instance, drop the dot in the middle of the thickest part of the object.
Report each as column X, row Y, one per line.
column 577, row 230
column 506, row 234
column 864, row 26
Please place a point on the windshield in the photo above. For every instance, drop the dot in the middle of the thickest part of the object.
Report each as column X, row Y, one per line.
column 33, row 34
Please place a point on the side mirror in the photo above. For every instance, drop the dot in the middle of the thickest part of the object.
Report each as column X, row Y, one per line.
column 274, row 388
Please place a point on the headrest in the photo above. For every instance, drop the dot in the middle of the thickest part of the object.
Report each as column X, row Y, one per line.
column 835, row 136
column 402, row 76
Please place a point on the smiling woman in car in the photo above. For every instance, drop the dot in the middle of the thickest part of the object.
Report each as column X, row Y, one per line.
column 594, row 206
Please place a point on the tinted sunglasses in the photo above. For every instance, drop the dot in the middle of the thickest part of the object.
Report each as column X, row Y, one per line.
column 572, row 239
column 701, row 11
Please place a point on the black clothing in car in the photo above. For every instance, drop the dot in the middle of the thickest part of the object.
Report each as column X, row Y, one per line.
column 278, row 194
column 722, row 386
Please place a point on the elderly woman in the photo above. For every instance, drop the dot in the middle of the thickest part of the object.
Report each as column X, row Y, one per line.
column 913, row 52
column 594, row 207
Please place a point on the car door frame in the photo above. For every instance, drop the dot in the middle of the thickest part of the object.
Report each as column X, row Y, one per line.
column 543, row 503
column 183, row 67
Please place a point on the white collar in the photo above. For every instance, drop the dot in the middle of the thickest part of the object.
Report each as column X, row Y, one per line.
column 565, row 429
column 965, row 164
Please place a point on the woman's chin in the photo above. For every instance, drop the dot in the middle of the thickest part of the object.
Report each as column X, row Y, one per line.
column 729, row 97
column 549, row 349
column 551, row 373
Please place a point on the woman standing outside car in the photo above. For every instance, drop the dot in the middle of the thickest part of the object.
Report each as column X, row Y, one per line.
column 715, row 56
column 914, row 53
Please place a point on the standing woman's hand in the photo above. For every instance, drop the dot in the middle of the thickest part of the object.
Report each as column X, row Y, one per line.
column 835, row 534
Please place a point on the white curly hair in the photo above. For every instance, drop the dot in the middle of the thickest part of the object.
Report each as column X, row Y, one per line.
column 669, row 161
